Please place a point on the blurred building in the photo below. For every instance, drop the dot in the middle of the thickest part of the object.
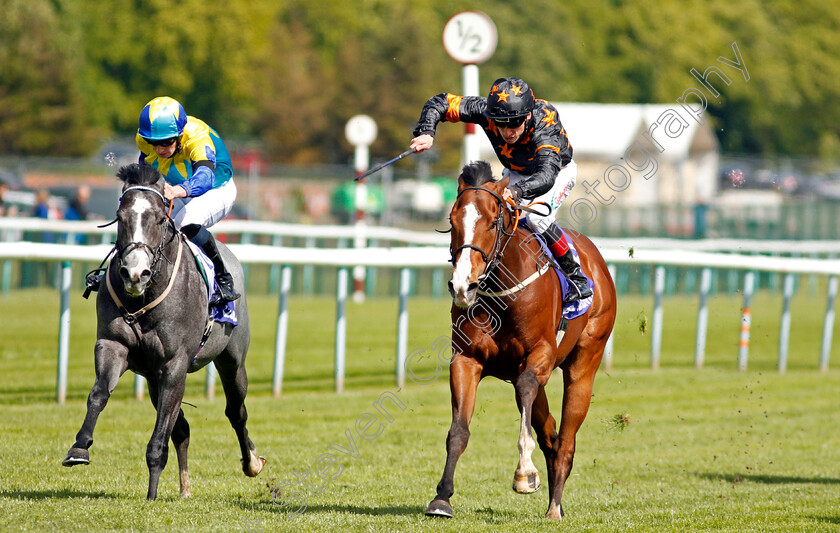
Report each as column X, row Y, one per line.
column 679, row 156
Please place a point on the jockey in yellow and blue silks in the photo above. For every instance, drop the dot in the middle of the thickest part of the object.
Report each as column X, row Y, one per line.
column 199, row 176
column 198, row 172
column 200, row 161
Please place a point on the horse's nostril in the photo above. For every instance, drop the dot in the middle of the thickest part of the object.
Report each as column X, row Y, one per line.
column 472, row 287
column 146, row 274
column 123, row 273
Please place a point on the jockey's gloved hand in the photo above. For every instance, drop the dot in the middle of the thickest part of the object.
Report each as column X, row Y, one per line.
column 515, row 193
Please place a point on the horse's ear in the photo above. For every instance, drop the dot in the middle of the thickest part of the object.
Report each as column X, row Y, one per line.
column 128, row 172
column 461, row 182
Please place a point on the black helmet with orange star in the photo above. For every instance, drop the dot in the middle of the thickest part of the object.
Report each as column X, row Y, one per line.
column 509, row 98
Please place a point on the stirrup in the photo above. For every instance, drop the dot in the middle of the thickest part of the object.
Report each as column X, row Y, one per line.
column 576, row 293
column 227, row 293
column 93, row 280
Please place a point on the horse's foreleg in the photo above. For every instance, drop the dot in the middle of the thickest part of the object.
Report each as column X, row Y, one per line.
column 111, row 362
column 464, row 376
column 577, row 394
column 180, row 438
column 170, row 394
column 235, row 383
column 526, row 479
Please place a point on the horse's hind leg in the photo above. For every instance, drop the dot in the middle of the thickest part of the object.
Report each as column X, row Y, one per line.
column 235, row 383
column 181, row 440
column 577, row 394
column 464, row 376
column 111, row 362
column 546, row 429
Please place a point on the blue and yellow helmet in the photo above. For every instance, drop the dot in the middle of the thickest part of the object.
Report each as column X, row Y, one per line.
column 162, row 118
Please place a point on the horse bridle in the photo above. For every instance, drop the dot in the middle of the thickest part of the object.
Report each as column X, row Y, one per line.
column 490, row 261
column 132, row 317
column 156, row 254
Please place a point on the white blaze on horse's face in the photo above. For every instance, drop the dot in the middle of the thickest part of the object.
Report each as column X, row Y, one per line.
column 137, row 263
column 463, row 267
column 139, row 207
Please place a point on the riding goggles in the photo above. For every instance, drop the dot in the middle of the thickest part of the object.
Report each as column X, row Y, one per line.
column 162, row 142
column 508, row 122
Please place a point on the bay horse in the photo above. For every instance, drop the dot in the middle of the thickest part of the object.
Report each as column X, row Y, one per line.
column 161, row 339
column 507, row 305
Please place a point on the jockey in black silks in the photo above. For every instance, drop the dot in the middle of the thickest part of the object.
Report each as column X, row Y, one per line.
column 531, row 143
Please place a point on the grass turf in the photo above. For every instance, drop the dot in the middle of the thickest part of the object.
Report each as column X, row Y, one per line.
column 669, row 450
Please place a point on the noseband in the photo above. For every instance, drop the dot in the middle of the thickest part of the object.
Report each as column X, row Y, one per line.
column 493, row 258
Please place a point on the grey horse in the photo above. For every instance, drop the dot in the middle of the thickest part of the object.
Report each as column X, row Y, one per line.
column 151, row 319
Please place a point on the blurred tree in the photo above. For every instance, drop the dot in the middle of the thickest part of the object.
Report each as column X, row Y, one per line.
column 41, row 109
column 291, row 73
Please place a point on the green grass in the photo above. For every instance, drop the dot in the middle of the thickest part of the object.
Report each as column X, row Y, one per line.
column 670, row 450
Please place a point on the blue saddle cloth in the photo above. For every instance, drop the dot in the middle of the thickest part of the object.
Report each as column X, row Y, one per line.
column 578, row 307
column 225, row 312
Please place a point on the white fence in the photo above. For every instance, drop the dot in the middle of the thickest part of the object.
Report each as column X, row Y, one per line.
column 12, row 227
column 406, row 258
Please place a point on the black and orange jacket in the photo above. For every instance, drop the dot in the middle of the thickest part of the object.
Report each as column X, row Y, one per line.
column 540, row 153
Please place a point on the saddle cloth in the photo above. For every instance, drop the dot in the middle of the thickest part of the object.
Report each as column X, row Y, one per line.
column 225, row 312
column 578, row 307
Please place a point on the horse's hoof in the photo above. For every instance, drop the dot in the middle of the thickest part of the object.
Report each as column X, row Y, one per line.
column 554, row 514
column 440, row 508
column 76, row 456
column 254, row 466
column 526, row 483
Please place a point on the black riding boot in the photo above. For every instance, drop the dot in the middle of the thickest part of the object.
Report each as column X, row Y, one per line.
column 223, row 277
column 202, row 238
column 578, row 284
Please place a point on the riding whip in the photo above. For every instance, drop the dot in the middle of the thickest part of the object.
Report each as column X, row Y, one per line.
column 380, row 166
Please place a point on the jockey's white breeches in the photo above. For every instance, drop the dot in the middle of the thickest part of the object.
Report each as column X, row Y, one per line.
column 207, row 209
column 563, row 184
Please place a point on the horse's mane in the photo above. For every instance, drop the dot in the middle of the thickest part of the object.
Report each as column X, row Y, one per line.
column 477, row 173
column 136, row 174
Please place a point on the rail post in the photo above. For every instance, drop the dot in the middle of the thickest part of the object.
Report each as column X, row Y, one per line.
column 282, row 331
column 702, row 318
